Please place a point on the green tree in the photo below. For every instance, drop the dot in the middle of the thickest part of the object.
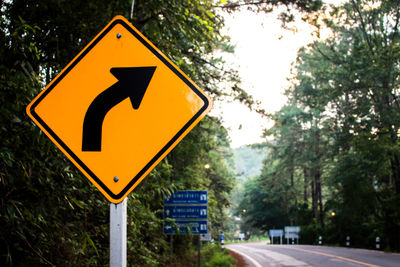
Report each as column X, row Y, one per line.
column 340, row 128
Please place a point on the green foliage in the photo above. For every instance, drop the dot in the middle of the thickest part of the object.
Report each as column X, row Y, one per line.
column 258, row 238
column 267, row 6
column 214, row 255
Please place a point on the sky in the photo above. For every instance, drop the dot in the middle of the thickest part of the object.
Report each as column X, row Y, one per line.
column 263, row 56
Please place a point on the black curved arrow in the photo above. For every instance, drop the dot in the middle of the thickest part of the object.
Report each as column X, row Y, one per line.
column 132, row 83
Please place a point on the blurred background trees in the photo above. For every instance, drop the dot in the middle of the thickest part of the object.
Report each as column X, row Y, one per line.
column 333, row 165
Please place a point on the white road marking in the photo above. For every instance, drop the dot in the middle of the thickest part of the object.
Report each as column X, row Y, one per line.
column 246, row 256
column 274, row 258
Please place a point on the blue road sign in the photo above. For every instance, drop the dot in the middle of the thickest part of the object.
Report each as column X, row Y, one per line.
column 188, row 197
column 185, row 212
column 185, row 227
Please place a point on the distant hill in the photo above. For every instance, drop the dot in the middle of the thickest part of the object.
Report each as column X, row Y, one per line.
column 248, row 160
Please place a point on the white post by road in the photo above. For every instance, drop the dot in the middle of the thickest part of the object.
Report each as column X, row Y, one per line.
column 118, row 234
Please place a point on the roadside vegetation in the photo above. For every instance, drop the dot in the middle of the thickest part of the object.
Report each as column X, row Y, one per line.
column 214, row 255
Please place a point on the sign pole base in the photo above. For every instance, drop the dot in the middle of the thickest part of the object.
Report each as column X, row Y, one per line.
column 199, row 252
column 118, row 231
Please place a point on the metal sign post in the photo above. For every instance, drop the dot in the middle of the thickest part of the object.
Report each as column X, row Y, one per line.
column 292, row 232
column 118, row 234
column 275, row 233
column 199, row 253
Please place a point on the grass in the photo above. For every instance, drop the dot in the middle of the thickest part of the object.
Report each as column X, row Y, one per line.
column 212, row 255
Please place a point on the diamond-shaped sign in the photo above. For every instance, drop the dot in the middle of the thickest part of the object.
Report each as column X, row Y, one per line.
column 118, row 108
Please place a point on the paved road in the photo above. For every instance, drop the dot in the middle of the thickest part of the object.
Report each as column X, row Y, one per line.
column 259, row 254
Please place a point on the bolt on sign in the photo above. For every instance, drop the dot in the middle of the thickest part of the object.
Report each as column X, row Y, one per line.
column 118, row 108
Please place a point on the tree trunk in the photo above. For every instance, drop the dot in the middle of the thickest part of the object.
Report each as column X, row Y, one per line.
column 318, row 190
column 317, row 177
column 314, row 198
column 317, row 204
column 292, row 177
column 395, row 164
column 305, row 194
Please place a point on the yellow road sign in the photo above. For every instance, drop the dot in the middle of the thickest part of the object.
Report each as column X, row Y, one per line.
column 118, row 108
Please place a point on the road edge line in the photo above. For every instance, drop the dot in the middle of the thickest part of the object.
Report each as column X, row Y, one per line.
column 246, row 256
